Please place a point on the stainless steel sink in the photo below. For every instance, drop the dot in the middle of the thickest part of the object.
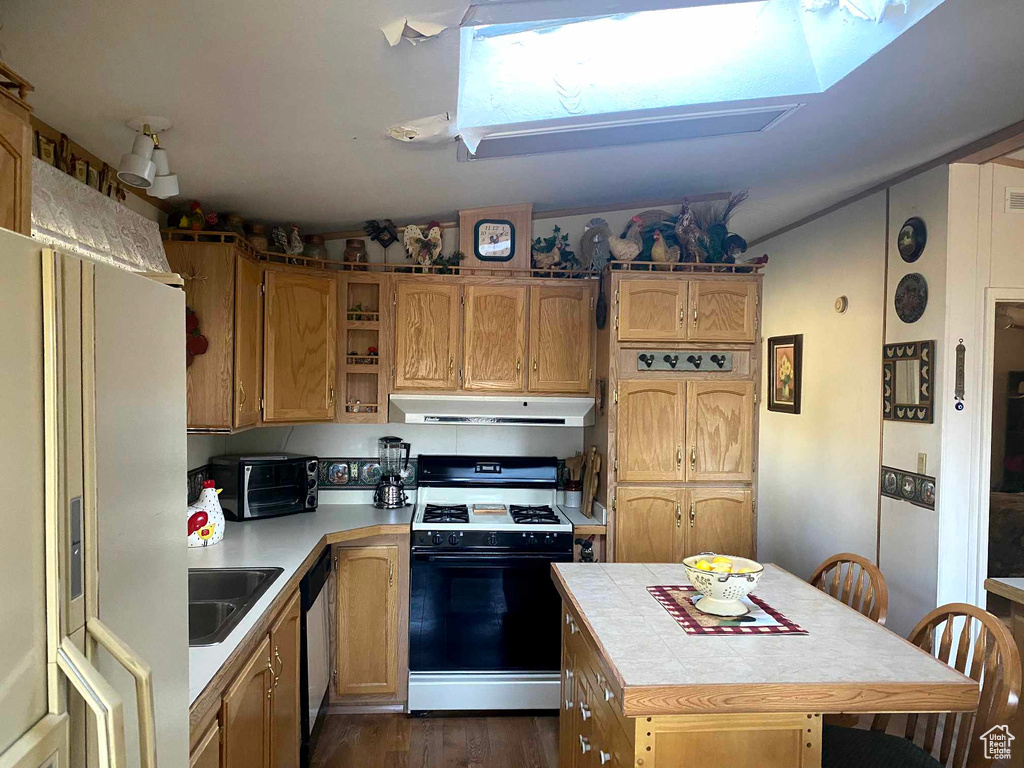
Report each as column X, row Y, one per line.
column 218, row 598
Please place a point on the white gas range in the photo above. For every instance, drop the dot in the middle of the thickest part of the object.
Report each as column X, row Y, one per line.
column 484, row 613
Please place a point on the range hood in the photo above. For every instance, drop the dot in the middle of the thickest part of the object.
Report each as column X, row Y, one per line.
column 498, row 411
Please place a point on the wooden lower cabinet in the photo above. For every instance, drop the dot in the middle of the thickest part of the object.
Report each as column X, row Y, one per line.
column 245, row 713
column 207, row 753
column 259, row 717
column 285, row 639
column 367, row 620
column 665, row 525
column 594, row 732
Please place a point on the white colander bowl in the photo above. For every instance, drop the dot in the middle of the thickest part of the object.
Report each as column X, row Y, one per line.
column 722, row 593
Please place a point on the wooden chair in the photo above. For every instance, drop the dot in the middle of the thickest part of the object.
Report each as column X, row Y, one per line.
column 985, row 651
column 856, row 581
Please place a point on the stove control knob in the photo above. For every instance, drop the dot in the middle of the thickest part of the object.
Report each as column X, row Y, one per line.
column 438, row 538
column 530, row 540
column 453, row 539
column 492, row 540
column 549, row 539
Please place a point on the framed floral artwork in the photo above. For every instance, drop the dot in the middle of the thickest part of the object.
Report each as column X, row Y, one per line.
column 785, row 373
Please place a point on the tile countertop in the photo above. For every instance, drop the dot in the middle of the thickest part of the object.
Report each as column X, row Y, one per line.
column 283, row 542
column 842, row 649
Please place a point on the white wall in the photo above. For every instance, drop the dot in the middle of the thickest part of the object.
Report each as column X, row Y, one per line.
column 1007, row 230
column 818, row 471
column 908, row 553
column 359, row 440
column 202, row 447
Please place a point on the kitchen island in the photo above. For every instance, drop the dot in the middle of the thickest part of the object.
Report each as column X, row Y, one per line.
column 637, row 690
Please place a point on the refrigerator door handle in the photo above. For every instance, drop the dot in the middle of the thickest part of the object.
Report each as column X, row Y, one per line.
column 101, row 698
column 138, row 668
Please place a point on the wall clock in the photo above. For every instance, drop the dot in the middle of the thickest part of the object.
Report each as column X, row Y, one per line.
column 494, row 240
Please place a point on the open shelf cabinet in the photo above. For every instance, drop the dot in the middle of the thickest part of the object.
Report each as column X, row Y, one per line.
column 363, row 347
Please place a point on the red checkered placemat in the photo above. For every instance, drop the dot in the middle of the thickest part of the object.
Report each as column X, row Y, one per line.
column 678, row 601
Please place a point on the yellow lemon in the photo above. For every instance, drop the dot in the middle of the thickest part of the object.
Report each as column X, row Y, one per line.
column 721, row 568
column 743, row 570
column 704, row 565
column 722, row 560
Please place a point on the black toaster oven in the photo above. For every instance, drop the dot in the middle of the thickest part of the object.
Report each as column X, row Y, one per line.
column 266, row 485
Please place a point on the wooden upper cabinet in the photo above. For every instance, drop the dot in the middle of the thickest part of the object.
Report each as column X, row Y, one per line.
column 426, row 335
column 560, row 338
column 15, row 170
column 209, row 273
column 285, row 637
column 367, row 619
column 650, row 433
column 248, row 342
column 652, row 310
column 300, row 328
column 722, row 310
column 719, row 431
column 721, row 521
column 649, row 526
column 495, row 338
column 245, row 713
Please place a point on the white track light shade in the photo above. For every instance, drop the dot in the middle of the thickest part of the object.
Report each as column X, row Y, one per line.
column 137, row 169
column 165, row 184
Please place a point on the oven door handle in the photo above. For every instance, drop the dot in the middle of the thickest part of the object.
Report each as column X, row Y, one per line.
column 481, row 558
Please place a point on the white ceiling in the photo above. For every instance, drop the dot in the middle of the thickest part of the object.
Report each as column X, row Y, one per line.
column 280, row 109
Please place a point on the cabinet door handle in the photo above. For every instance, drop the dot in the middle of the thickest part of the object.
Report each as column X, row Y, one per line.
column 241, row 391
column 391, row 573
column 608, row 695
column 584, row 711
column 330, row 400
column 270, row 666
column 535, row 365
column 451, row 366
column 693, row 457
column 518, row 365
column 682, row 314
column 679, row 456
column 693, row 514
column 568, row 703
column 277, row 677
column 679, row 515
column 584, row 744
column 694, row 315
column 605, row 756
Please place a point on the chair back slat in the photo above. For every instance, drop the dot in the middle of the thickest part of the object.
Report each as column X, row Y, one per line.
column 986, row 651
column 855, row 581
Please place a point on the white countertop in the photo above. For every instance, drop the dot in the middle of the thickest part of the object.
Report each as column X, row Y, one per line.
column 283, row 542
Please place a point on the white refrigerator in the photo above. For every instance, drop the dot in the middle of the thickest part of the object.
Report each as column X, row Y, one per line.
column 93, row 570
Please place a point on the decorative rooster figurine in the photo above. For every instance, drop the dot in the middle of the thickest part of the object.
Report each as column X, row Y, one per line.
column 294, row 241
column 423, row 250
column 627, row 248
column 661, row 252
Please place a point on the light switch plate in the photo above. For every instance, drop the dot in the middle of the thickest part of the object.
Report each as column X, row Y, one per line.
column 922, row 463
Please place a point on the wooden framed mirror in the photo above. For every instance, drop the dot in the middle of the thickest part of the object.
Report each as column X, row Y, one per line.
column 907, row 379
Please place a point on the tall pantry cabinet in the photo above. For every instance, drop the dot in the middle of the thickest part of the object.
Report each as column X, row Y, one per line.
column 678, row 363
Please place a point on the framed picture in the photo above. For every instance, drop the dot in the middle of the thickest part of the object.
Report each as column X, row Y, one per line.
column 785, row 373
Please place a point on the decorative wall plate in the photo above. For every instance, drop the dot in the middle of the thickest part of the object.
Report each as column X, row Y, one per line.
column 911, row 298
column 911, row 240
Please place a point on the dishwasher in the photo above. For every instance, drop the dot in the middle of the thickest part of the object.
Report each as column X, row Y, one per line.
column 315, row 650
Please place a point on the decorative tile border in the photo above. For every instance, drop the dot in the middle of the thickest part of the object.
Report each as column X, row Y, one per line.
column 195, row 481
column 357, row 474
column 908, row 486
column 363, row 473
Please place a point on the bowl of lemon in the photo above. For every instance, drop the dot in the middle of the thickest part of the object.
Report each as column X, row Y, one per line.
column 723, row 581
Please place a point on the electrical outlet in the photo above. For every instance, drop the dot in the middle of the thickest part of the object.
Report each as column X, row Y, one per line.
column 922, row 463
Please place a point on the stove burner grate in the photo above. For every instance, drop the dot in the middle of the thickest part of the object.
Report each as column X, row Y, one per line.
column 446, row 513
column 533, row 515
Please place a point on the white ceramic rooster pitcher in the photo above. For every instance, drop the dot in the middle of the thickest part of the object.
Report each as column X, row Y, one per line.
column 206, row 518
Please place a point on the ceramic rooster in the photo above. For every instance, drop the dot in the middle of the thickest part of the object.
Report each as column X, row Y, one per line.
column 688, row 234
column 294, row 241
column 627, row 248
column 280, row 239
column 661, row 252
column 423, row 250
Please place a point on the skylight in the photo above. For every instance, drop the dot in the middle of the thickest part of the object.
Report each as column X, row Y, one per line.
column 526, row 71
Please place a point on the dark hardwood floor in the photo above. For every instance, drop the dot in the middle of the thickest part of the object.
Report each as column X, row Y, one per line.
column 399, row 741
